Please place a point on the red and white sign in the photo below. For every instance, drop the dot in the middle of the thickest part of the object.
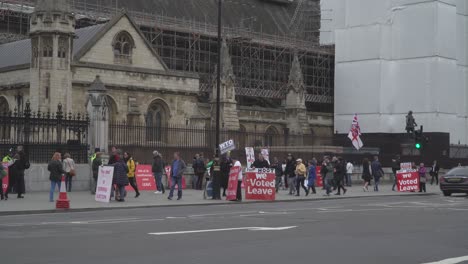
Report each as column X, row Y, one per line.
column 231, row 194
column 407, row 181
column 406, row 166
column 260, row 185
column 104, row 184
column 319, row 179
column 144, row 179
column 5, row 179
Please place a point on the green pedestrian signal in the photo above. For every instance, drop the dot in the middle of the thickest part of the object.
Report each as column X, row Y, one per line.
column 418, row 145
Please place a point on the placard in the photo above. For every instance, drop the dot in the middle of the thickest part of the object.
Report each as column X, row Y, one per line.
column 260, row 184
column 104, row 184
column 231, row 194
column 250, row 155
column 407, row 181
column 227, row 146
column 266, row 155
column 406, row 166
column 144, row 178
column 5, row 179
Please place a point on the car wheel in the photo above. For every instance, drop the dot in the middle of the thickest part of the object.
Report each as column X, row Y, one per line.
column 447, row 193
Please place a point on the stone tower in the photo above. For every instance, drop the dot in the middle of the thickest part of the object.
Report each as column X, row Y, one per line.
column 296, row 112
column 229, row 112
column 52, row 32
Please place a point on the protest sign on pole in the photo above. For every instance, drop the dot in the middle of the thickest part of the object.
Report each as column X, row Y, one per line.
column 144, row 178
column 250, row 154
column 104, row 184
column 227, row 146
column 260, row 185
column 231, row 194
column 266, row 155
column 406, row 166
column 5, row 179
column 407, row 181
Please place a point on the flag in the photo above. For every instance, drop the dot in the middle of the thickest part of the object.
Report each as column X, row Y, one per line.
column 355, row 134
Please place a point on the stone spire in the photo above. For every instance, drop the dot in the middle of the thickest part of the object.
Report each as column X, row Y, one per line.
column 226, row 63
column 48, row 6
column 295, row 97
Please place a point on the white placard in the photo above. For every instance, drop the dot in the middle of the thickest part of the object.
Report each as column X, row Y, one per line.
column 104, row 184
column 250, row 155
column 266, row 155
column 406, row 166
column 227, row 146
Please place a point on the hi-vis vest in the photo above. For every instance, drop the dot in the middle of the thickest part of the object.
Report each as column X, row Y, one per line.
column 93, row 157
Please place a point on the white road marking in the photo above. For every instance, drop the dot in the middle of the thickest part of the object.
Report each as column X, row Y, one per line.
column 224, row 230
column 267, row 213
column 176, row 217
column 450, row 260
column 354, row 210
column 118, row 222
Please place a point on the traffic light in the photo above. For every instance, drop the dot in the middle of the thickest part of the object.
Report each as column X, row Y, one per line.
column 418, row 145
column 419, row 139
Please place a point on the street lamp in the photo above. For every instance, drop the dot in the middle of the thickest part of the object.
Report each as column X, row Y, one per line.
column 218, row 79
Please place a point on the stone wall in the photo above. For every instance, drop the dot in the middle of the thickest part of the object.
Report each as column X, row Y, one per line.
column 37, row 178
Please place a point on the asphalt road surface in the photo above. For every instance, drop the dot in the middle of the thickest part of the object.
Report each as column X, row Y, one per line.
column 420, row 229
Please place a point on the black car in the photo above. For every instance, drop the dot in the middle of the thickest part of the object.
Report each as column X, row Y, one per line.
column 455, row 181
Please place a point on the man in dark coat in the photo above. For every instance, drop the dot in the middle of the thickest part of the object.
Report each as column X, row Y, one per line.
column 17, row 170
column 289, row 173
column 226, row 164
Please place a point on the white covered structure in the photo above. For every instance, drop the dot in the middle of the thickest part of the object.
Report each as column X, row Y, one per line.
column 393, row 56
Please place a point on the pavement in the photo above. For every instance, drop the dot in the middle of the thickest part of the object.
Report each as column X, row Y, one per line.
column 376, row 230
column 37, row 202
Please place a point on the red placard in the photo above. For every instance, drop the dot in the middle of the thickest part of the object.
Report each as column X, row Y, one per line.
column 407, row 181
column 144, row 178
column 319, row 179
column 5, row 179
column 231, row 194
column 260, row 185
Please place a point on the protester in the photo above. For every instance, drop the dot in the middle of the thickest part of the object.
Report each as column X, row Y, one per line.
column 55, row 168
column 278, row 167
column 289, row 174
column 377, row 172
column 8, row 159
column 70, row 171
column 199, row 170
column 97, row 162
column 435, row 173
column 260, row 163
column 131, row 173
column 177, row 172
column 422, row 178
column 158, row 170
column 300, row 180
column 339, row 176
column 349, row 173
column 120, row 179
column 396, row 166
column 312, row 176
column 226, row 164
column 21, row 163
column 3, row 174
column 366, row 174
column 239, row 179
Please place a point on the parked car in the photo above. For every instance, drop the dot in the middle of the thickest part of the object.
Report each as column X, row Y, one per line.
column 455, row 181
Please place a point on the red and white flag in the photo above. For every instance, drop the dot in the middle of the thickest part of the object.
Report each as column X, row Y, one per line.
column 355, row 134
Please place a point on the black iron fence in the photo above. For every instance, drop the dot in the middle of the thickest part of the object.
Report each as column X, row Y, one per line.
column 42, row 134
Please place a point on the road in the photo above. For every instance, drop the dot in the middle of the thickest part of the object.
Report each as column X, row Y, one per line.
column 419, row 229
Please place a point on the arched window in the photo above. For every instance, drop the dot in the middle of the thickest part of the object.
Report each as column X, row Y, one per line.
column 47, row 47
column 270, row 136
column 123, row 46
column 63, row 48
column 4, row 109
column 156, row 121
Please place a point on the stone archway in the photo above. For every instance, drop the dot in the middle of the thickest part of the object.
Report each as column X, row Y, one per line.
column 271, row 136
column 157, row 121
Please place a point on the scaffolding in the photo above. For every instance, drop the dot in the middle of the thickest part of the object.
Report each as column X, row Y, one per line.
column 261, row 62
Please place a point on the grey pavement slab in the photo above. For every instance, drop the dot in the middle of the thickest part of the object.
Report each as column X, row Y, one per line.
column 38, row 201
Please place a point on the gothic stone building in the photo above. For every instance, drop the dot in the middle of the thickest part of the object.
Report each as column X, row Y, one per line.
column 114, row 64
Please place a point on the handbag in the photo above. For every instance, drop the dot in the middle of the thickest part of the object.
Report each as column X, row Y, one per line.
column 72, row 170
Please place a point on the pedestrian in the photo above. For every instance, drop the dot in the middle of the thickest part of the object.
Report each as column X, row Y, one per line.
column 17, row 169
column 290, row 174
column 131, row 172
column 120, row 177
column 278, row 167
column 366, row 174
column 55, row 168
column 158, row 168
column 329, row 175
column 97, row 162
column 239, row 179
column 226, row 164
column 9, row 160
column 323, row 172
column 377, row 172
column 199, row 170
column 113, row 156
column 260, row 163
column 70, row 170
column 340, row 171
column 349, row 173
column 435, row 173
column 422, row 178
column 396, row 166
column 312, row 176
column 177, row 172
column 301, row 175
column 3, row 174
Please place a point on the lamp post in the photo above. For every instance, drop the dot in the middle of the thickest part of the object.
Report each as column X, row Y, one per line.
column 218, row 79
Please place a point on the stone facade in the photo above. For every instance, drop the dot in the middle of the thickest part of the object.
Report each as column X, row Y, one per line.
column 138, row 85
